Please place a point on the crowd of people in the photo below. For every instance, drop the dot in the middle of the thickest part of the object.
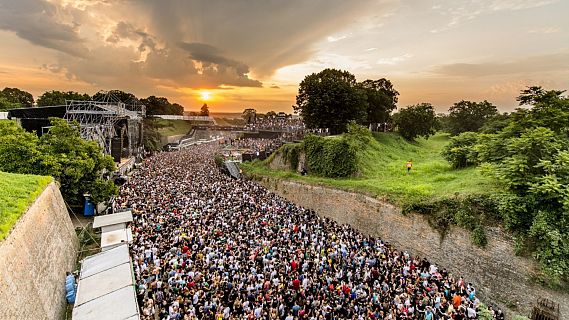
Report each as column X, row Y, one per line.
column 207, row 246
column 254, row 144
column 276, row 123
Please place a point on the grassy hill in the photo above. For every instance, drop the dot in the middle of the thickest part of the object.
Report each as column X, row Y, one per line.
column 17, row 192
column 172, row 127
column 382, row 171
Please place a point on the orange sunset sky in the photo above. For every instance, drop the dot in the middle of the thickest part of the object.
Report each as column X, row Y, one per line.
column 237, row 54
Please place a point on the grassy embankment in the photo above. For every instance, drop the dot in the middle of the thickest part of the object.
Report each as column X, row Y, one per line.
column 229, row 121
column 17, row 192
column 172, row 127
column 382, row 171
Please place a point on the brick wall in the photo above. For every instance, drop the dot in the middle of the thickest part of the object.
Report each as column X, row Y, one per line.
column 41, row 247
column 500, row 276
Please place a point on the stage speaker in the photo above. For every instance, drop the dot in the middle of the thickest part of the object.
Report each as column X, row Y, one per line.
column 116, row 147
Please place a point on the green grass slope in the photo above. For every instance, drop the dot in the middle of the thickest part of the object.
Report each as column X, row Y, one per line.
column 172, row 127
column 383, row 173
column 17, row 192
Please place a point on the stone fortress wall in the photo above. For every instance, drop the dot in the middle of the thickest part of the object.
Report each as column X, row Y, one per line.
column 34, row 257
column 498, row 274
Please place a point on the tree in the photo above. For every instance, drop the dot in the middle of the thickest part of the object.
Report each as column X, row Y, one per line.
column 461, row 151
column 58, row 98
column 550, row 110
column 496, row 123
column 119, row 94
column 77, row 164
column 249, row 115
column 470, row 116
column 330, row 99
column 204, row 111
column 15, row 95
column 6, row 105
column 160, row 105
column 536, row 94
column 381, row 99
column 416, row 121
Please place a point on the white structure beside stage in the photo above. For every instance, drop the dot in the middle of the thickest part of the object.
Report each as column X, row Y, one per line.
column 114, row 229
column 106, row 289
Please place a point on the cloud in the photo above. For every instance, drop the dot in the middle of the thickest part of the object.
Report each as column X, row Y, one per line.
column 394, row 60
column 460, row 12
column 43, row 24
column 535, row 64
column 178, row 43
column 336, row 39
column 275, row 87
column 265, row 35
column 545, row 30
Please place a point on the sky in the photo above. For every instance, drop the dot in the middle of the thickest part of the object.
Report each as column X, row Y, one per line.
column 237, row 54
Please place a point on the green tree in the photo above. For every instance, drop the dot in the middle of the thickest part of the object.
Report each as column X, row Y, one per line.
column 77, row 164
column 204, row 111
column 461, row 151
column 330, row 99
column 381, row 99
column 58, row 98
column 470, row 116
column 160, row 105
column 6, row 105
column 416, row 121
column 535, row 94
column 15, row 95
column 124, row 97
column 496, row 124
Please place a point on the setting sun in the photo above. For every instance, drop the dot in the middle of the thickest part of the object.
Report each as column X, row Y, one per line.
column 205, row 95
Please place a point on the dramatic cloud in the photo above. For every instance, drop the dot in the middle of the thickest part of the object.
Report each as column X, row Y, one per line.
column 253, row 53
column 539, row 64
column 40, row 22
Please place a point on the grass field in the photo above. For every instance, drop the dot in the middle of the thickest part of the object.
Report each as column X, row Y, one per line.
column 17, row 192
column 172, row 127
column 383, row 172
column 230, row 121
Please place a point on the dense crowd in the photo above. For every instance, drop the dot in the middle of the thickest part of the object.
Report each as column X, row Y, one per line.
column 287, row 124
column 210, row 247
column 253, row 144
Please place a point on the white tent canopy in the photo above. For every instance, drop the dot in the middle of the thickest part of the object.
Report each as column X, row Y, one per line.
column 106, row 287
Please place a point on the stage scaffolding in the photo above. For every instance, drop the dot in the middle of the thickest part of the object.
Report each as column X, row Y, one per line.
column 109, row 118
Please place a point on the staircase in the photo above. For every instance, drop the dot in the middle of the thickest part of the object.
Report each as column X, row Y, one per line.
column 233, row 169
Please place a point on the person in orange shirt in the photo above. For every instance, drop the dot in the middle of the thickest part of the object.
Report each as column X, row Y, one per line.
column 456, row 300
column 409, row 165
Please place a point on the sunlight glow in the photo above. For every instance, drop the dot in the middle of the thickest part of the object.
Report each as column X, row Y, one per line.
column 205, row 95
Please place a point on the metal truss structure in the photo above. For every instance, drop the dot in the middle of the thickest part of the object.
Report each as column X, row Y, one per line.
column 98, row 120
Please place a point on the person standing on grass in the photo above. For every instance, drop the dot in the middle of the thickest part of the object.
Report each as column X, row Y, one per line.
column 409, row 165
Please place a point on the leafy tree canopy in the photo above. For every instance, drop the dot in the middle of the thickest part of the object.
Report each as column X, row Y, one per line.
column 17, row 96
column 381, row 99
column 536, row 94
column 76, row 163
column 330, row 99
column 469, row 116
column 6, row 104
column 204, row 111
column 160, row 105
column 416, row 121
column 124, row 97
column 58, row 98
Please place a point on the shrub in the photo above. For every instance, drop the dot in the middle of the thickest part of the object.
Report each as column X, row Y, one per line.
column 461, row 151
column 330, row 157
